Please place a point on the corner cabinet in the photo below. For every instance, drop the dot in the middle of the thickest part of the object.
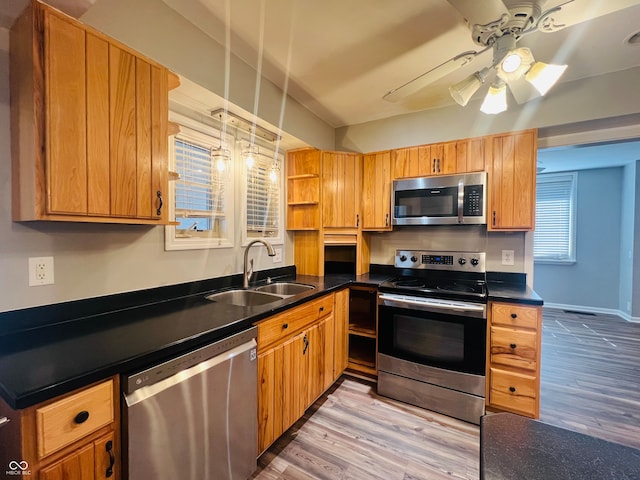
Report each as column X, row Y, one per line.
column 376, row 192
column 89, row 124
column 301, row 352
column 513, row 358
column 73, row 437
column 511, row 163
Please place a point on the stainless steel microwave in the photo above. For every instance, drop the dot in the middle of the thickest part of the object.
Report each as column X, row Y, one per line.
column 440, row 200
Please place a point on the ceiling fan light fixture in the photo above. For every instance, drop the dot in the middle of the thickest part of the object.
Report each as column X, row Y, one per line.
column 515, row 64
column 462, row 91
column 543, row 76
column 496, row 99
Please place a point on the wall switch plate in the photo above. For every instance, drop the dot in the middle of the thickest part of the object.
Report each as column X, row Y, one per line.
column 507, row 257
column 278, row 256
column 40, row 271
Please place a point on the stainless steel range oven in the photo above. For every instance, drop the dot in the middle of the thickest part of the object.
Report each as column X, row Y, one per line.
column 432, row 332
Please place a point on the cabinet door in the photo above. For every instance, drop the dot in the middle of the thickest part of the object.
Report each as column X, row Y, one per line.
column 314, row 359
column 270, row 400
column 470, row 155
column 340, row 189
column 78, row 465
column 65, row 116
column 512, row 178
column 295, row 379
column 376, row 192
column 106, row 454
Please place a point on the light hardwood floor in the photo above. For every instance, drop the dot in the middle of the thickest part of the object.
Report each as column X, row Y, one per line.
column 590, row 383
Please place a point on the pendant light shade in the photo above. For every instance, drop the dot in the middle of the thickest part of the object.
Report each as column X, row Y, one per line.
column 496, row 99
column 544, row 76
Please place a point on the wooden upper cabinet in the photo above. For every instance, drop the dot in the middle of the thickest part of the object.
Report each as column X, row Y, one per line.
column 341, row 187
column 511, row 163
column 439, row 159
column 470, row 155
column 376, row 191
column 89, row 124
column 303, row 189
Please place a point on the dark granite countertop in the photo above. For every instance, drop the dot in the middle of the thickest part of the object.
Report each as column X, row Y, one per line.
column 512, row 288
column 518, row 448
column 41, row 363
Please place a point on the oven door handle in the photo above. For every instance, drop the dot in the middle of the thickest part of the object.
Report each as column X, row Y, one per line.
column 431, row 305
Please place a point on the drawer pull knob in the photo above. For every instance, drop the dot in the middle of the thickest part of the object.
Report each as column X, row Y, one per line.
column 514, row 315
column 81, row 417
column 512, row 389
column 112, row 458
column 513, row 345
column 322, row 309
column 285, row 326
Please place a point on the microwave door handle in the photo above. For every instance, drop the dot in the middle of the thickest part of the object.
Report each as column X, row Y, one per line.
column 460, row 201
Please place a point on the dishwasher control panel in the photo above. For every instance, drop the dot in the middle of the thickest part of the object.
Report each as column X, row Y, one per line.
column 171, row 367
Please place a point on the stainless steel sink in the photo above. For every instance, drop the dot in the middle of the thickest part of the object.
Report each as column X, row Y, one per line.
column 285, row 288
column 244, row 298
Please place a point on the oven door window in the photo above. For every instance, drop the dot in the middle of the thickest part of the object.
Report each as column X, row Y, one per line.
column 435, row 202
column 444, row 341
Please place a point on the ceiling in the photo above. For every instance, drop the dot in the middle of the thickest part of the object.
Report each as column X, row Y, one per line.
column 584, row 157
column 339, row 58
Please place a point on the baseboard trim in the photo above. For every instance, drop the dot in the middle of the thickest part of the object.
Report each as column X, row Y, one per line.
column 586, row 309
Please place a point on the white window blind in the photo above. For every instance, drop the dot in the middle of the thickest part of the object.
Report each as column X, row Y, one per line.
column 554, row 237
column 200, row 189
column 263, row 192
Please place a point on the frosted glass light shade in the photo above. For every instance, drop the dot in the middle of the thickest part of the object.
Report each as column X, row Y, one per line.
column 544, row 76
column 496, row 99
column 462, row 91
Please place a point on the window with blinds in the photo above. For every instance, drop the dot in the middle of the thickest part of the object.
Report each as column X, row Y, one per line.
column 263, row 197
column 202, row 194
column 554, row 237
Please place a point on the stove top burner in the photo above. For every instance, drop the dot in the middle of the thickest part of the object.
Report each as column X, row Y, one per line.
column 409, row 283
column 456, row 287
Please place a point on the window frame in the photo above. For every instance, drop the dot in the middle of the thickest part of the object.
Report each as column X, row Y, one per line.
column 205, row 135
column 570, row 258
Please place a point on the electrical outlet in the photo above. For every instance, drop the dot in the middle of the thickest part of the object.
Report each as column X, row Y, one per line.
column 278, row 256
column 507, row 257
column 40, row 271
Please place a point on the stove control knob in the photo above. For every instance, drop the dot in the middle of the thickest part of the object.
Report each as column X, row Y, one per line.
column 462, row 261
column 474, row 262
column 403, row 258
column 414, row 259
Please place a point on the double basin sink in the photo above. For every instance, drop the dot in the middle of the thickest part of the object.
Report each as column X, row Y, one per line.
column 272, row 292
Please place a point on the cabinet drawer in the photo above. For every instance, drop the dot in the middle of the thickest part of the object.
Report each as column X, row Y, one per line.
column 514, row 315
column 514, row 347
column 280, row 327
column 63, row 422
column 513, row 391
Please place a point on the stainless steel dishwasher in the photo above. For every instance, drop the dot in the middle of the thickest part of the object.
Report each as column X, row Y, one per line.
column 194, row 417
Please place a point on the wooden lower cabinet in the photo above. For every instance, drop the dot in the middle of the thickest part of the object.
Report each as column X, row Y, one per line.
column 513, row 358
column 296, row 368
column 74, row 437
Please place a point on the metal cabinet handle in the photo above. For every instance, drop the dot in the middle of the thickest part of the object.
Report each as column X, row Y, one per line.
column 322, row 309
column 513, row 345
column 285, row 326
column 386, row 220
column 112, row 458
column 494, row 218
column 306, row 345
column 81, row 417
column 514, row 315
column 159, row 195
column 512, row 389
column 357, row 220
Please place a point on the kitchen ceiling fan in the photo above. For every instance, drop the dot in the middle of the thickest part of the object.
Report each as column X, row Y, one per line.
column 497, row 25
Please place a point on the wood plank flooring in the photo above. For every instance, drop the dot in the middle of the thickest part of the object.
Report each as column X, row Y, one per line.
column 590, row 383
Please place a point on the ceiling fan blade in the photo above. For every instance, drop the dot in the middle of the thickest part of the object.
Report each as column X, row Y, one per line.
column 480, row 12
column 522, row 90
column 427, row 78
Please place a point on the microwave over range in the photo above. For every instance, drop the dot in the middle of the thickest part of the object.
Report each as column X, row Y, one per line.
column 440, row 200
